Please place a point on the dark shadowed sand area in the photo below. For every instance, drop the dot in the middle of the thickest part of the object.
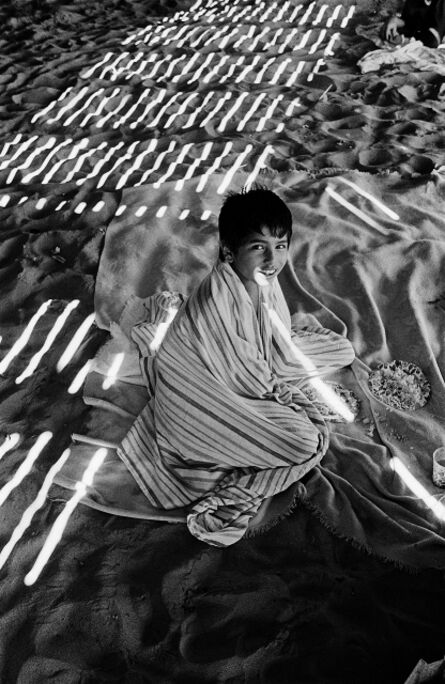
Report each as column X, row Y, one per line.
column 111, row 114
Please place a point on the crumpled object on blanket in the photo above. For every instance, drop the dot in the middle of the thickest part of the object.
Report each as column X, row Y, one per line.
column 427, row 672
column 424, row 58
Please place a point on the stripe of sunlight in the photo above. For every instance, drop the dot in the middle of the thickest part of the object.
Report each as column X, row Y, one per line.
column 24, row 337
column 120, row 160
column 307, row 14
column 75, row 343
column 162, row 328
column 249, row 67
column 114, row 111
column 259, row 165
column 86, row 104
column 58, row 325
column 318, row 42
column 417, row 488
column 158, row 99
column 216, row 164
column 251, row 111
column 296, row 74
column 37, row 504
column 263, row 70
column 192, row 168
column 22, row 148
column 283, row 11
column 392, row 214
column 79, row 163
column 9, row 444
column 288, row 40
column 222, row 100
column 26, row 465
column 238, row 102
column 101, row 163
column 80, row 377
column 182, row 155
column 244, row 38
column 357, row 212
column 294, row 13
column 316, row 69
column 269, row 112
column 137, row 162
column 330, row 397
column 69, row 105
column 62, row 519
column 348, row 17
column 11, row 143
column 196, row 76
column 83, row 143
column 231, row 172
column 113, row 371
column 329, row 51
column 132, row 109
column 155, row 167
column 25, row 165
column 98, row 111
column 155, row 122
column 320, row 15
column 183, row 107
column 334, row 16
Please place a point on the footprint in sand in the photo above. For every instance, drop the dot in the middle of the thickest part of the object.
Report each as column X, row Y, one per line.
column 378, row 158
column 420, row 165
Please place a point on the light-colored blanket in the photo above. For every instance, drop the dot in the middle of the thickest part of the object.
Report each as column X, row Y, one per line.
column 359, row 270
column 413, row 51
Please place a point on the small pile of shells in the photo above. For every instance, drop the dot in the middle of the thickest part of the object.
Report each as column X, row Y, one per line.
column 399, row 384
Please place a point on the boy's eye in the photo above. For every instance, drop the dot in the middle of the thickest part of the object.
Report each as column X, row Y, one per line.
column 283, row 246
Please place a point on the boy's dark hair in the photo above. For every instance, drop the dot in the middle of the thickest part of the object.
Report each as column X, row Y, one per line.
column 248, row 211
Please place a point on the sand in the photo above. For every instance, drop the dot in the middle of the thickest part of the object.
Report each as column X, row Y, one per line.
column 125, row 601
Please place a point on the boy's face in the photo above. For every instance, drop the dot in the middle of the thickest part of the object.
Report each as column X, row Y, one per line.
column 262, row 253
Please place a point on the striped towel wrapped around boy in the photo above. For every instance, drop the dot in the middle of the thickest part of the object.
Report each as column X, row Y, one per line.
column 227, row 423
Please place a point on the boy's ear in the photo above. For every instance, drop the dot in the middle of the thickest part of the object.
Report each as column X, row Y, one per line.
column 226, row 252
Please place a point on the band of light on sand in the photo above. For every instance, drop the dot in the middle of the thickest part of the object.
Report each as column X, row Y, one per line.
column 9, row 443
column 166, row 31
column 75, row 343
column 258, row 166
column 57, row 327
column 417, row 488
column 80, row 377
column 323, row 390
column 23, row 340
column 21, row 148
column 62, row 519
column 37, row 504
column 25, row 467
column 231, row 172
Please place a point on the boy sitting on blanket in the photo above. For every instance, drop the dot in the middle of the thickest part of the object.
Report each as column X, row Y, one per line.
column 420, row 19
column 228, row 422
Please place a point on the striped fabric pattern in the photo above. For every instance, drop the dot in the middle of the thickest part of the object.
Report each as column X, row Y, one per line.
column 228, row 423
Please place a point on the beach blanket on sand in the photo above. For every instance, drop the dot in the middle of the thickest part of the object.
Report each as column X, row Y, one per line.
column 228, row 423
column 374, row 277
